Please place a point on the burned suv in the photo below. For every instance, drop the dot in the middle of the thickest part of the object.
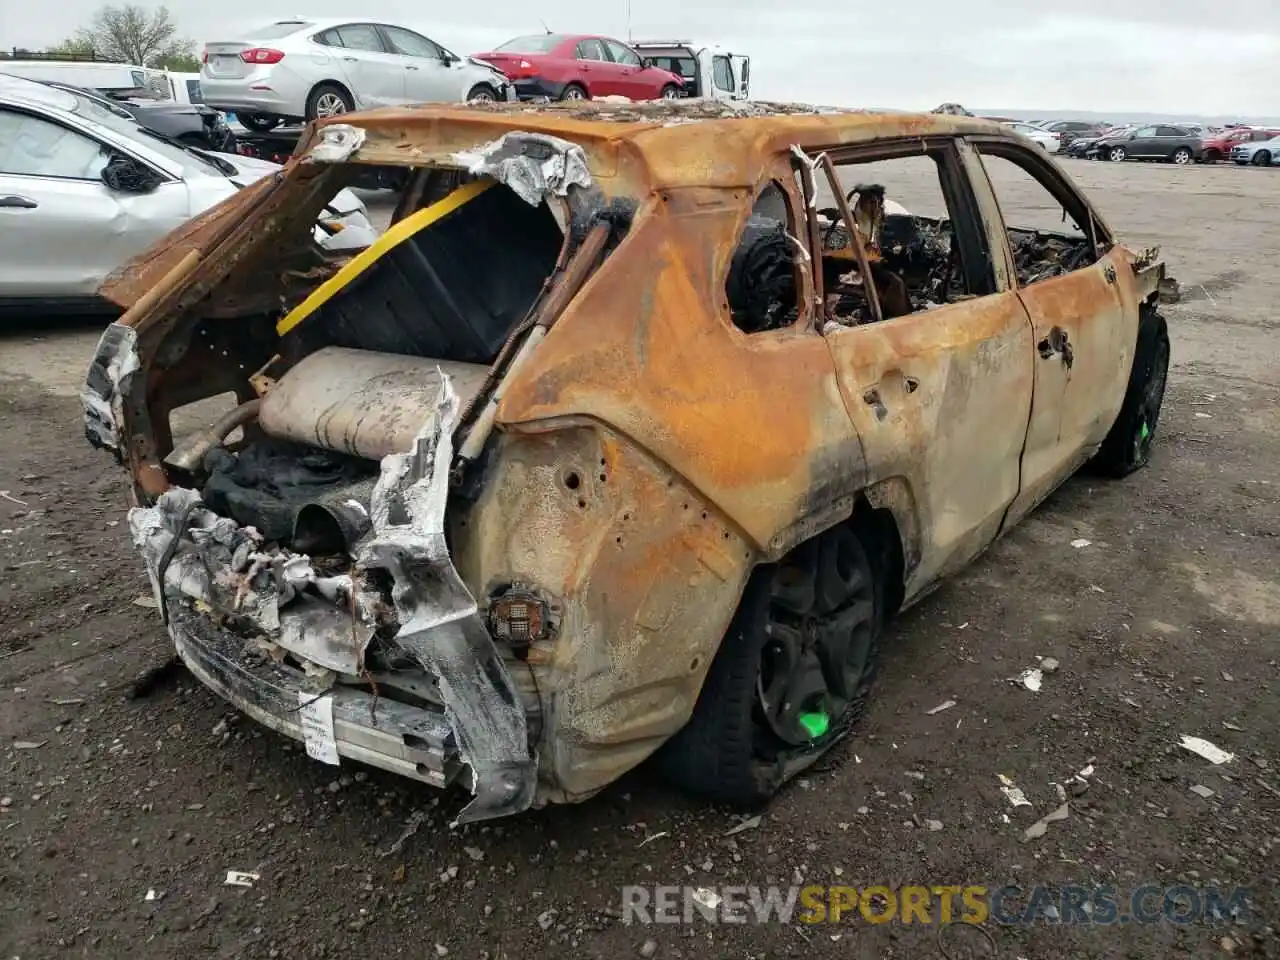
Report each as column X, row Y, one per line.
column 628, row 437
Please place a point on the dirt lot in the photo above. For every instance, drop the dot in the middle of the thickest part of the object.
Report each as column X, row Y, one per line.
column 1165, row 624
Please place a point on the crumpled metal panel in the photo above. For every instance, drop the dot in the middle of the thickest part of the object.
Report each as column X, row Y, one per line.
column 440, row 623
column 195, row 556
column 114, row 364
column 535, row 166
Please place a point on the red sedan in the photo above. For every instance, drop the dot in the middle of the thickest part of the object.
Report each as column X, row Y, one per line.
column 564, row 67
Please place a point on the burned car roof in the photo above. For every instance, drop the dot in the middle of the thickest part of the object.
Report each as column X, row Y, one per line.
column 681, row 143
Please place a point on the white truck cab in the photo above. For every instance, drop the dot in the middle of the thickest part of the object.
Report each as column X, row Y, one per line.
column 709, row 70
column 91, row 75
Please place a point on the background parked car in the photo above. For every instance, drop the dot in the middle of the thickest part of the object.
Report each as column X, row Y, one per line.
column 110, row 78
column 1084, row 146
column 294, row 70
column 1069, row 131
column 1151, row 142
column 84, row 189
column 1260, row 153
column 1219, row 146
column 577, row 67
column 1043, row 138
column 194, row 124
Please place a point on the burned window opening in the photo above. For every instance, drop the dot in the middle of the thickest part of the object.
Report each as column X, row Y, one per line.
column 1051, row 230
column 915, row 262
column 761, row 287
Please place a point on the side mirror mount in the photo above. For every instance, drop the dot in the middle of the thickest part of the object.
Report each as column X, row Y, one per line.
column 127, row 175
column 646, row 62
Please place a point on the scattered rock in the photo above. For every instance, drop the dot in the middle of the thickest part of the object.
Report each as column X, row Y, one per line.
column 649, row 948
column 547, row 919
column 475, row 853
column 1049, row 665
column 1041, row 826
column 934, row 825
column 750, row 823
column 1205, row 749
column 1200, row 790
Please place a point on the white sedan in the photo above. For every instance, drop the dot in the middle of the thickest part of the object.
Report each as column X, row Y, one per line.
column 83, row 190
column 301, row 69
column 1039, row 136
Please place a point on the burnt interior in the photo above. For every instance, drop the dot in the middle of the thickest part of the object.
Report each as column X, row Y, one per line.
column 916, row 266
column 451, row 291
column 916, row 263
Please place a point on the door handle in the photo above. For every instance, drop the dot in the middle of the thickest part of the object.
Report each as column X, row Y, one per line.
column 1109, row 271
column 14, row 202
column 410, row 67
column 350, row 59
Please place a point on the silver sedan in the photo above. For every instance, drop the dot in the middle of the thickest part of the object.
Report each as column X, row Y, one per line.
column 301, row 69
column 83, row 190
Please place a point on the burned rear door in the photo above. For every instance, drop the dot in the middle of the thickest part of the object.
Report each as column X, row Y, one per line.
column 1080, row 294
column 939, row 395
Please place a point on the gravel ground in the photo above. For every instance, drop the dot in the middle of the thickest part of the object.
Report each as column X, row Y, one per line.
column 121, row 815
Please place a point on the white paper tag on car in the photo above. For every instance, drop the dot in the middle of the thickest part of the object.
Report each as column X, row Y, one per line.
column 317, row 727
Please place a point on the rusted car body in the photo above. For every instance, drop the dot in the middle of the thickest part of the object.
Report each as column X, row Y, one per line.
column 526, row 584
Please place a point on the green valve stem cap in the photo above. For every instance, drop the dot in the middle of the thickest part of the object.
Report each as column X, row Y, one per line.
column 815, row 724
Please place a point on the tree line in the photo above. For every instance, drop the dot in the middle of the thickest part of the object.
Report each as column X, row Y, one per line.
column 129, row 33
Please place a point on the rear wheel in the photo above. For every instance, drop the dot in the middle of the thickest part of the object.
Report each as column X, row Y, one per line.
column 1128, row 444
column 1262, row 158
column 1181, row 156
column 328, row 100
column 1116, row 153
column 258, row 122
column 793, row 673
column 573, row 92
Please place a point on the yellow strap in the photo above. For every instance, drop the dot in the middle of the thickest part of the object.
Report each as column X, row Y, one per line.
column 361, row 262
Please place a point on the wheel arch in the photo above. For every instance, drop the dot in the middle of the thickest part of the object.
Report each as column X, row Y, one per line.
column 888, row 509
column 341, row 85
column 474, row 84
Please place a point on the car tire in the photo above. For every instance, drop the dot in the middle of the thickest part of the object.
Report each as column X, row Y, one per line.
column 731, row 750
column 1116, row 153
column 1182, row 156
column 1212, row 156
column 1127, row 446
column 482, row 93
column 258, row 122
column 328, row 100
column 574, row 91
column 670, row 92
column 1261, row 159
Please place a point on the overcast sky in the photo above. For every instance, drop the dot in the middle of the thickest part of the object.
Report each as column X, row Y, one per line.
column 1219, row 57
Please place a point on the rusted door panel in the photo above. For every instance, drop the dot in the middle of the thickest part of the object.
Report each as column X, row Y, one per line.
column 756, row 424
column 941, row 399
column 1085, row 329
